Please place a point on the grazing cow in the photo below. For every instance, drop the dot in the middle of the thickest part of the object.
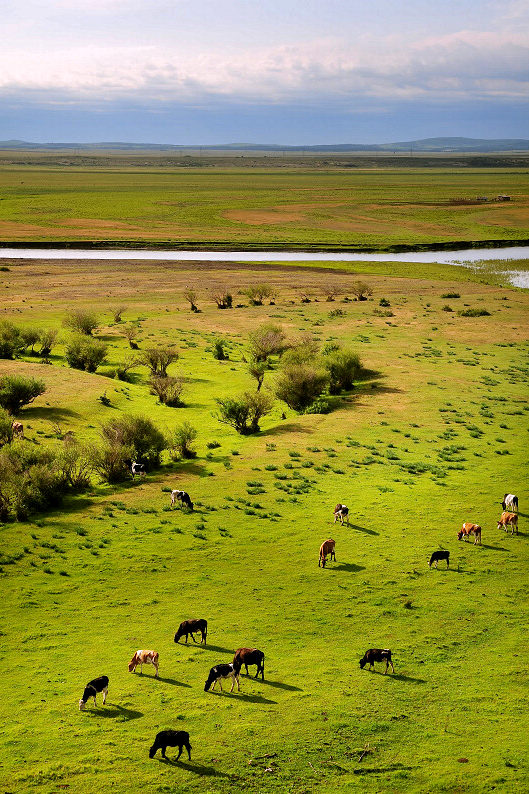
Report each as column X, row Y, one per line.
column 440, row 555
column 377, row 655
column 246, row 656
column 470, row 529
column 144, row 657
column 182, row 497
column 18, row 429
column 138, row 469
column 92, row 688
column 190, row 627
column 510, row 502
column 341, row 512
column 221, row 671
column 509, row 519
column 326, row 549
column 166, row 739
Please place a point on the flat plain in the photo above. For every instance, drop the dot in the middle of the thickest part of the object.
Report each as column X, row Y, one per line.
column 434, row 435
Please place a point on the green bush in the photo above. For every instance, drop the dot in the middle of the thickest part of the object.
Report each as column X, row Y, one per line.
column 47, row 338
column 244, row 412
column 138, row 435
column 30, row 480
column 182, row 441
column 299, row 385
column 321, row 405
column 85, row 353
column 6, row 427
column 474, row 313
column 11, row 341
column 451, row 295
column 112, row 461
column 343, row 367
column 258, row 292
column 218, row 350
column 17, row 391
column 168, row 390
column 81, row 322
column 266, row 340
column 157, row 359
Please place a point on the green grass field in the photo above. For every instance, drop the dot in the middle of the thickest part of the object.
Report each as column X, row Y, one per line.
column 434, row 437
column 257, row 207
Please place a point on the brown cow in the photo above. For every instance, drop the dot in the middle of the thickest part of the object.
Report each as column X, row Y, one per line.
column 18, row 429
column 249, row 656
column 470, row 529
column 144, row 657
column 506, row 519
column 327, row 550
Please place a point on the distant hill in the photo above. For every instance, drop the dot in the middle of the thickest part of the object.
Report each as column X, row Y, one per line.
column 424, row 145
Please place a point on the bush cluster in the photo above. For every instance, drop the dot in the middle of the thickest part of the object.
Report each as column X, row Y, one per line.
column 17, row 391
column 244, row 411
column 85, row 353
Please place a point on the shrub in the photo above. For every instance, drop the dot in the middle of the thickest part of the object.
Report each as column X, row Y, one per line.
column 222, row 298
column 474, row 313
column 182, row 442
column 74, row 464
column 384, row 302
column 257, row 370
column 190, row 296
column 130, row 332
column 81, row 322
column 11, row 341
column 111, row 461
column 257, row 293
column 361, row 290
column 218, row 350
column 213, row 445
column 6, row 427
column 337, row 313
column 300, row 384
column 17, row 391
column 84, row 353
column 321, row 405
column 117, row 311
column 30, row 337
column 122, row 370
column 139, row 435
column 29, row 480
column 451, row 295
column 47, row 338
column 331, row 291
column 168, row 390
column 343, row 366
column 157, row 359
column 244, row 412
column 447, row 308
column 266, row 340
column 301, row 351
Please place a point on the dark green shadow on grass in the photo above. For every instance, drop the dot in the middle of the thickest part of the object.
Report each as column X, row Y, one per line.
column 247, row 698
column 198, row 769
column 363, row 529
column 217, row 648
column 408, row 679
column 279, row 685
column 110, row 711
column 351, row 567
column 168, row 681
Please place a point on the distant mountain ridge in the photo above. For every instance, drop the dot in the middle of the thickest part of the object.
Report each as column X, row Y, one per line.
column 452, row 145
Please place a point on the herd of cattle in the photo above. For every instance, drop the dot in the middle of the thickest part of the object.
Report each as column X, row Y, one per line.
column 254, row 656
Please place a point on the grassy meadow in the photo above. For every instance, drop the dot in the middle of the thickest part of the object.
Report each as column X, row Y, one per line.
column 434, row 435
column 256, row 207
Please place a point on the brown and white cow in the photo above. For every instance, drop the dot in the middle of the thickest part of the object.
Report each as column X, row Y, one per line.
column 470, row 529
column 326, row 550
column 509, row 519
column 341, row 512
column 18, row 429
column 144, row 657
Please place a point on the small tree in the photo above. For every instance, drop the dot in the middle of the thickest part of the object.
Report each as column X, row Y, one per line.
column 244, row 412
column 138, row 435
column 111, row 461
column 222, row 298
column 343, row 366
column 11, row 341
column 361, row 290
column 47, row 338
column 17, row 391
column 74, row 463
column 331, row 291
column 130, row 332
column 157, row 359
column 81, row 322
column 168, row 390
column 117, row 312
column 257, row 370
column 301, row 351
column 30, row 337
column 122, row 370
column 300, row 384
column 182, row 442
column 266, row 340
column 191, row 296
column 258, row 292
column 6, row 427
column 84, row 353
column 218, row 350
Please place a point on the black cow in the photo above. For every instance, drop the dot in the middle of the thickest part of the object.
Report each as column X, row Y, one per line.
column 439, row 555
column 246, row 656
column 92, row 688
column 166, row 739
column 377, row 655
column 139, row 469
column 221, row 671
column 182, row 497
column 190, row 627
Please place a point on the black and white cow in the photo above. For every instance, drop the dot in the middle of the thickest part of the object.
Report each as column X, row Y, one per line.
column 341, row 512
column 92, row 688
column 510, row 503
column 138, row 469
column 377, row 655
column 439, row 555
column 182, row 497
column 220, row 672
column 165, row 739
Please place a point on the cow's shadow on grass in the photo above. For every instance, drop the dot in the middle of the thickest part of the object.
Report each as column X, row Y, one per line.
column 407, row 679
column 167, row 681
column 215, row 648
column 363, row 529
column 242, row 696
column 350, row 567
column 279, row 685
column 113, row 711
column 198, row 769
column 493, row 548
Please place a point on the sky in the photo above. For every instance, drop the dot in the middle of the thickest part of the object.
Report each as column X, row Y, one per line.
column 263, row 71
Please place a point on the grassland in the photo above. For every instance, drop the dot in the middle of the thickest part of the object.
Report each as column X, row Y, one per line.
column 248, row 207
column 434, row 436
